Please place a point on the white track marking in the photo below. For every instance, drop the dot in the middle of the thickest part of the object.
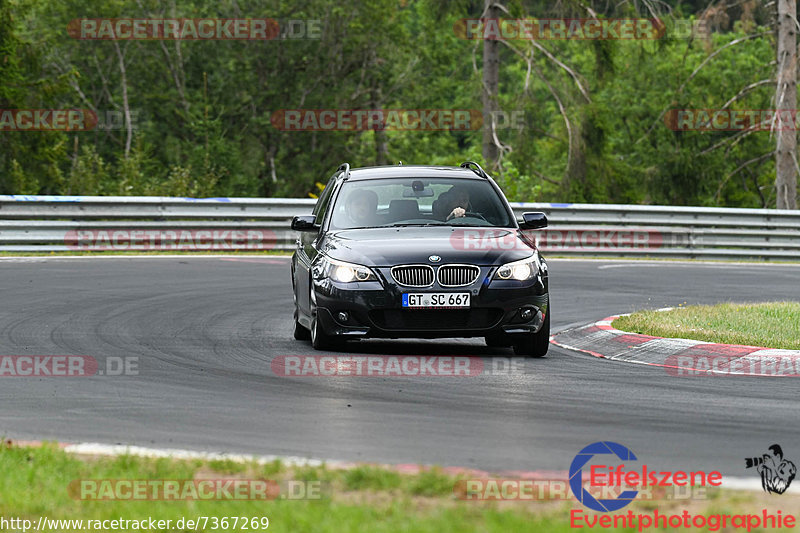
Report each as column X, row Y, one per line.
column 92, row 448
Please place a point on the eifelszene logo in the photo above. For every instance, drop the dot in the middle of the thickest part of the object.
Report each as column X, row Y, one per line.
column 576, row 476
column 776, row 472
column 620, row 476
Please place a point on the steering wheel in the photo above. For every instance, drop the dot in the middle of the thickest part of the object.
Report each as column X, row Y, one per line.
column 473, row 214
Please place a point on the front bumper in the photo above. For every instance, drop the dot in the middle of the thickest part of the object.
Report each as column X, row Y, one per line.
column 374, row 308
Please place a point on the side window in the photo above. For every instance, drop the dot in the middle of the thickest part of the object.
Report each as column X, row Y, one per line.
column 322, row 204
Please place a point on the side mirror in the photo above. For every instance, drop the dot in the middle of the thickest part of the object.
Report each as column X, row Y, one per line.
column 305, row 223
column 533, row 221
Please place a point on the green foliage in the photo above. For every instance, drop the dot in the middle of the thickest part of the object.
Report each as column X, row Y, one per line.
column 88, row 173
column 21, row 182
column 202, row 110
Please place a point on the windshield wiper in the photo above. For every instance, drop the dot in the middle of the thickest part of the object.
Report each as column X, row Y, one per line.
column 473, row 226
column 407, row 224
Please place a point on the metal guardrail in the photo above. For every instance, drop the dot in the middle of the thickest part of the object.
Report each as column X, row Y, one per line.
column 62, row 223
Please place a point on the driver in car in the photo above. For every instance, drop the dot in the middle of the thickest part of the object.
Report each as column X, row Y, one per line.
column 453, row 203
column 361, row 207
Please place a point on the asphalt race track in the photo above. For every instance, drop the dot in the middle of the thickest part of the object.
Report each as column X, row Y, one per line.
column 206, row 329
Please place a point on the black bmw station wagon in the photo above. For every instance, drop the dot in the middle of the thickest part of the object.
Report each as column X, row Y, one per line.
column 419, row 251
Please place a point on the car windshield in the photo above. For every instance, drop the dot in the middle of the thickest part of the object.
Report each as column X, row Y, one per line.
column 418, row 202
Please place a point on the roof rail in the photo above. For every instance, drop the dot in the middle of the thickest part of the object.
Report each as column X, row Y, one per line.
column 475, row 167
column 345, row 168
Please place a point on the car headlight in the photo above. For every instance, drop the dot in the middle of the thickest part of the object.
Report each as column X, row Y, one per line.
column 519, row 270
column 345, row 272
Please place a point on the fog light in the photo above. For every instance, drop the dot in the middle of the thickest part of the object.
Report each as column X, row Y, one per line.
column 343, row 316
column 526, row 314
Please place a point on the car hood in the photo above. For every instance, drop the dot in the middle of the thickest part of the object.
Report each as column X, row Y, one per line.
column 383, row 247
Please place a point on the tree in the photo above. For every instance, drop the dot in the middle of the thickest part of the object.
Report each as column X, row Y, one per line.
column 491, row 79
column 786, row 105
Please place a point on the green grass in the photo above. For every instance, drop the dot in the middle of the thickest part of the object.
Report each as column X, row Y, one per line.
column 371, row 478
column 34, row 483
column 771, row 325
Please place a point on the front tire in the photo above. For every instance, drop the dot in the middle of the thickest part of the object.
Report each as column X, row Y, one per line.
column 300, row 332
column 535, row 344
column 321, row 340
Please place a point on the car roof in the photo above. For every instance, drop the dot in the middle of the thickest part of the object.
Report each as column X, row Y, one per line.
column 412, row 171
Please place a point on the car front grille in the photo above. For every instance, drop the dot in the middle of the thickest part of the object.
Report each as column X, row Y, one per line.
column 413, row 275
column 447, row 275
column 458, row 275
column 436, row 319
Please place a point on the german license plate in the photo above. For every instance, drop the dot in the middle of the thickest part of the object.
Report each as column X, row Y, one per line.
column 436, row 299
